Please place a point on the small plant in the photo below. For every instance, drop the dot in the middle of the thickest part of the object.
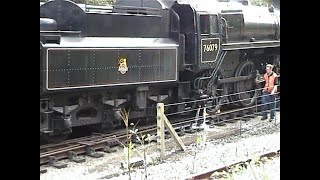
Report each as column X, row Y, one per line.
column 227, row 175
column 142, row 139
column 130, row 148
column 238, row 169
column 255, row 160
column 265, row 176
column 142, row 142
column 198, row 140
column 200, row 136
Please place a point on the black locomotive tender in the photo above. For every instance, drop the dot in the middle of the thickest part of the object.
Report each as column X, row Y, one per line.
column 97, row 60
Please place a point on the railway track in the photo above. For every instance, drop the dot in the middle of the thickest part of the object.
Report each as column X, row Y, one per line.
column 88, row 145
column 208, row 175
column 52, row 153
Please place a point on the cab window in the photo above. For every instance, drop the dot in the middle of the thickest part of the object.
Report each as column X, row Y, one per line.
column 214, row 24
column 204, row 24
column 209, row 24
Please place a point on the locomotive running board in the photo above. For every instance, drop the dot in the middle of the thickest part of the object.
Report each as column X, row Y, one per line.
column 250, row 45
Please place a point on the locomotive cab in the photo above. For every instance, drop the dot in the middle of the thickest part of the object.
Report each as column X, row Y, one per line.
column 203, row 32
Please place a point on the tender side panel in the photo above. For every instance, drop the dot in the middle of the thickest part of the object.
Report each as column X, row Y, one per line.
column 80, row 68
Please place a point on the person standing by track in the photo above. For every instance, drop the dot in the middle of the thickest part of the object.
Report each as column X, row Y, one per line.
column 268, row 93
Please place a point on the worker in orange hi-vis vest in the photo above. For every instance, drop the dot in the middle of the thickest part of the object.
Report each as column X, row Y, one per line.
column 268, row 93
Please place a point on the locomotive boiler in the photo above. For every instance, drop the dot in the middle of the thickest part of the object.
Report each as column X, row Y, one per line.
column 97, row 60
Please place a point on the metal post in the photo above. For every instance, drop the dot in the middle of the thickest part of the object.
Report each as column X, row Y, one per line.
column 197, row 116
column 257, row 103
column 204, row 114
column 160, row 129
column 275, row 110
column 240, row 127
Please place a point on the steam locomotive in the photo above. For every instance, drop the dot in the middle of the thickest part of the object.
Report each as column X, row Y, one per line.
column 97, row 60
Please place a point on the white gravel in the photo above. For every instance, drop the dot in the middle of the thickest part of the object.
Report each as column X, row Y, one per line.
column 180, row 165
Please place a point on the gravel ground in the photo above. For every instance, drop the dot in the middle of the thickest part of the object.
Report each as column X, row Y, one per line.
column 207, row 156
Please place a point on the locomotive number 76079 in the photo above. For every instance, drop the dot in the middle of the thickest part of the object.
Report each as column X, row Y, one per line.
column 210, row 47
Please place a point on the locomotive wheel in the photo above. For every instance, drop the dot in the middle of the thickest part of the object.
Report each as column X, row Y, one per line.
column 215, row 90
column 248, row 98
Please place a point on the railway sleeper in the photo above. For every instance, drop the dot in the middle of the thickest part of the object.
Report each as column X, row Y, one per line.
column 134, row 162
column 72, row 156
column 167, row 135
column 113, row 142
column 220, row 120
column 195, row 128
column 43, row 170
column 134, row 139
column 146, row 140
column 246, row 118
column 181, row 131
column 240, row 114
column 152, row 138
column 53, row 161
column 251, row 116
column 91, row 152
column 108, row 149
column 231, row 118
column 190, row 130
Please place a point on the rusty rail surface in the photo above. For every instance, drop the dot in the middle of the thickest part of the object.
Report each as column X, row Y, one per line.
column 207, row 175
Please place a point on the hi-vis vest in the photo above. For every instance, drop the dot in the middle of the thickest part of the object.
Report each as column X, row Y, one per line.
column 270, row 80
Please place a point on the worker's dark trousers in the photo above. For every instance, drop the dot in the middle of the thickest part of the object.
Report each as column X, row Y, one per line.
column 268, row 103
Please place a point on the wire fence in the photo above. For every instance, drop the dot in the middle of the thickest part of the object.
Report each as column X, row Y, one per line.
column 223, row 100
column 260, row 103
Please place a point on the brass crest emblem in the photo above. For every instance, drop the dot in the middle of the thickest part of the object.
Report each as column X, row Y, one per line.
column 123, row 68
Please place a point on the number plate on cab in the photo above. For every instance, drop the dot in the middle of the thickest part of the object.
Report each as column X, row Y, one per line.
column 209, row 49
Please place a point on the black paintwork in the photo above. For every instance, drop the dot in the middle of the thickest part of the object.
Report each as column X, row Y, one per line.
column 96, row 60
column 67, row 14
column 71, row 68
